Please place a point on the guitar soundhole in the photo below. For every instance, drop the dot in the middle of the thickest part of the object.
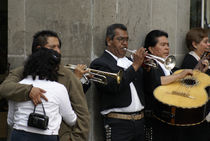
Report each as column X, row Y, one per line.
column 189, row 82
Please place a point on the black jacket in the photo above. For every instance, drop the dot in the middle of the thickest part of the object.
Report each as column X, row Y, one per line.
column 190, row 62
column 115, row 95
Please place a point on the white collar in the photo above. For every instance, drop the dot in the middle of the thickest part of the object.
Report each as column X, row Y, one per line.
column 123, row 62
column 166, row 71
column 115, row 57
column 194, row 55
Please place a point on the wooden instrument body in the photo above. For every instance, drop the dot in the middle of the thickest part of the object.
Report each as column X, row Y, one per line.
column 182, row 103
column 179, row 116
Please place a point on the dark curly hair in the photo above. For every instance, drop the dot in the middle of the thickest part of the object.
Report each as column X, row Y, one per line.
column 43, row 63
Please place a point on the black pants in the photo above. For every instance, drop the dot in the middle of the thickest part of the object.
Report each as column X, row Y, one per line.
column 123, row 130
column 199, row 132
column 164, row 132
column 19, row 135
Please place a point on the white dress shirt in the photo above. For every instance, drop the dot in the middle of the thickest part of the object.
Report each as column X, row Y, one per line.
column 57, row 107
column 135, row 102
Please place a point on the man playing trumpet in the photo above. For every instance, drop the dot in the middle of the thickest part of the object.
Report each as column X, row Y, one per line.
column 121, row 104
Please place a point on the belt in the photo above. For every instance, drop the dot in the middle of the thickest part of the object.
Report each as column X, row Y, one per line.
column 136, row 116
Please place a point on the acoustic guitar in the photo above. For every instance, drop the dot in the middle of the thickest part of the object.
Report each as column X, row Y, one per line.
column 183, row 103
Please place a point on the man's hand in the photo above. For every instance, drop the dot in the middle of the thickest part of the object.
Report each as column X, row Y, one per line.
column 36, row 94
column 205, row 65
column 80, row 70
column 138, row 58
column 185, row 72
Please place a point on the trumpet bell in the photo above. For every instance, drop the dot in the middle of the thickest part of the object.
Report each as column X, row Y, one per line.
column 102, row 74
column 170, row 62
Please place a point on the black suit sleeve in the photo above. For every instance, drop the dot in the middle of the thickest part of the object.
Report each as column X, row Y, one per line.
column 112, row 86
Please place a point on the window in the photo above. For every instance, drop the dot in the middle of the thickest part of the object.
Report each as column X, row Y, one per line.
column 200, row 13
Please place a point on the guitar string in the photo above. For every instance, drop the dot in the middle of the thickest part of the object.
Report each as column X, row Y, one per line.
column 185, row 86
column 189, row 86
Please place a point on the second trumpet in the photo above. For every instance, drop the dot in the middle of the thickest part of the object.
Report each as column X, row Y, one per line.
column 99, row 76
column 169, row 62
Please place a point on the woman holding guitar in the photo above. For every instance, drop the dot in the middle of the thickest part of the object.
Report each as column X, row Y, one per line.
column 156, row 43
column 198, row 58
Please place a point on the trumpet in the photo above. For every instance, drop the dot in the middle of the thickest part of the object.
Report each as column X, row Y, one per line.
column 98, row 76
column 169, row 62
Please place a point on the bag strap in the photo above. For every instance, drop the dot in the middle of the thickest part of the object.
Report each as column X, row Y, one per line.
column 42, row 108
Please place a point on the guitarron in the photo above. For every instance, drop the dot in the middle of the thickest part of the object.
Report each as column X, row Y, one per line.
column 183, row 103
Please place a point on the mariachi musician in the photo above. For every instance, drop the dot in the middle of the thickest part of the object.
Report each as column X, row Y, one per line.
column 156, row 43
column 198, row 44
column 122, row 103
